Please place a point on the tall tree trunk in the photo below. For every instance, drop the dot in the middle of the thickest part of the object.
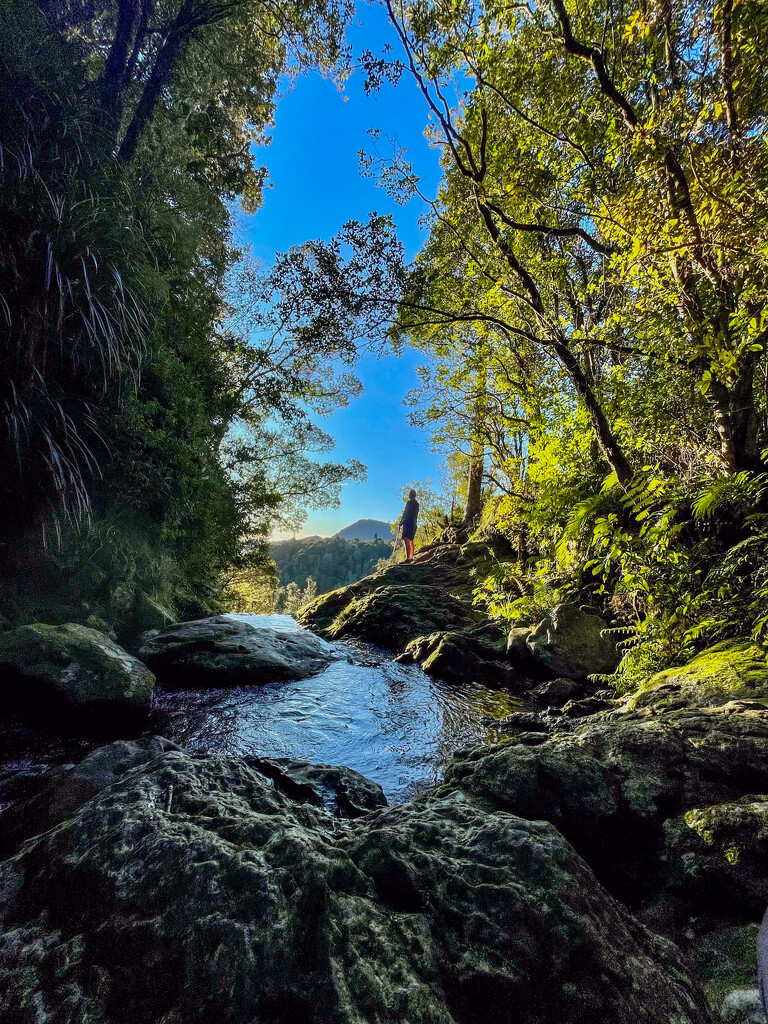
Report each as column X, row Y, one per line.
column 477, row 455
column 475, row 484
column 736, row 419
column 112, row 80
column 170, row 52
column 609, row 445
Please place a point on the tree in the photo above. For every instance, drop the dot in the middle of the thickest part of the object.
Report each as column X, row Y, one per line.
column 591, row 194
column 126, row 131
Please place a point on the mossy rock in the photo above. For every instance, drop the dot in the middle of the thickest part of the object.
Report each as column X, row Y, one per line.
column 392, row 616
column 192, row 889
column 725, row 672
column 717, row 857
column 475, row 654
column 75, row 665
column 725, row 958
column 573, row 642
column 402, row 602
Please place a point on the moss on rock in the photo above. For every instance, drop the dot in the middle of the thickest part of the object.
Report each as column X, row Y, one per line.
column 401, row 603
column 191, row 889
column 725, row 959
column 717, row 857
column 76, row 664
column 727, row 671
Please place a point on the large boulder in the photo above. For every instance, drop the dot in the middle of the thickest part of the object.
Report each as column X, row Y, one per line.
column 391, row 616
column 401, row 602
column 572, row 642
column 716, row 857
column 472, row 654
column 75, row 665
column 191, row 890
column 70, row 786
column 609, row 782
column 224, row 651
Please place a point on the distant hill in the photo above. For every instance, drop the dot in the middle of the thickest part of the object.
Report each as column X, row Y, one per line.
column 331, row 561
column 367, row 529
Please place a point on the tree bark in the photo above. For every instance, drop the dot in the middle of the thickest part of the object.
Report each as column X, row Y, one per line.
column 474, row 484
column 736, row 419
column 169, row 54
column 112, row 80
column 609, row 446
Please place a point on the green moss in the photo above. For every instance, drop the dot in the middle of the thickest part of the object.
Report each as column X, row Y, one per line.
column 727, row 671
column 725, row 960
column 78, row 663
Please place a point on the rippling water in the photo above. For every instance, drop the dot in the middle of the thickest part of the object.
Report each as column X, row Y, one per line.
column 391, row 722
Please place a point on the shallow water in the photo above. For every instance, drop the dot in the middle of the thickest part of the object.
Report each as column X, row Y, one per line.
column 391, row 722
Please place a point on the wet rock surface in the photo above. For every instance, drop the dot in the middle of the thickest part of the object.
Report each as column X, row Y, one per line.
column 73, row 666
column 65, row 789
column 224, row 651
column 341, row 791
column 192, row 889
column 153, row 884
column 609, row 782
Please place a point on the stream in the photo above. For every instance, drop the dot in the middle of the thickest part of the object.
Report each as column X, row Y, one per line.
column 390, row 722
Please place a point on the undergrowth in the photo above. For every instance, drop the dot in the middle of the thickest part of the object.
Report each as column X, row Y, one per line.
column 673, row 566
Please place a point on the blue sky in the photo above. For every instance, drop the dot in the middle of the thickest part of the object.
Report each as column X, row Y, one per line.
column 315, row 187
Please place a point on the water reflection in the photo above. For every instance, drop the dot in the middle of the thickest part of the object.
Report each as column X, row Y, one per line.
column 389, row 721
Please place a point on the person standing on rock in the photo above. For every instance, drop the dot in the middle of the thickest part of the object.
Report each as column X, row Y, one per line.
column 408, row 524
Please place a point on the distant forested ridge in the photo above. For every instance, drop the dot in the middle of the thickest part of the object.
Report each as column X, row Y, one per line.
column 367, row 529
column 331, row 561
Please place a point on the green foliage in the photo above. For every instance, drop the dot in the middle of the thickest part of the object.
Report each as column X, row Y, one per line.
column 439, row 505
column 156, row 395
column 291, row 598
column 594, row 282
column 330, row 562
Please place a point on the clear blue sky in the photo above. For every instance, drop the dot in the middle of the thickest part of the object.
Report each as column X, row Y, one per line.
column 315, row 187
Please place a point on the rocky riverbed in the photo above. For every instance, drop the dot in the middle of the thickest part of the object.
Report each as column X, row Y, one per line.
column 592, row 858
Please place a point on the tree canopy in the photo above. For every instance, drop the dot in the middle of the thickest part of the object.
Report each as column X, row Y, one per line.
column 158, row 393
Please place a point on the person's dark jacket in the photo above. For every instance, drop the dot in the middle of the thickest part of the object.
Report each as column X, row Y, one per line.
column 409, row 517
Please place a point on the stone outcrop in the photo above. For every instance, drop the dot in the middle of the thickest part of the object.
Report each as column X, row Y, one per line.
column 224, row 651
column 556, row 691
column 725, row 672
column 716, row 858
column 572, row 642
column 66, row 789
column 402, row 603
column 609, row 783
column 520, row 656
column 192, row 889
column 473, row 654
column 341, row 791
column 72, row 665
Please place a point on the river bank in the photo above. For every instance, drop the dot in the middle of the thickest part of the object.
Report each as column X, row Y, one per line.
column 580, row 856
